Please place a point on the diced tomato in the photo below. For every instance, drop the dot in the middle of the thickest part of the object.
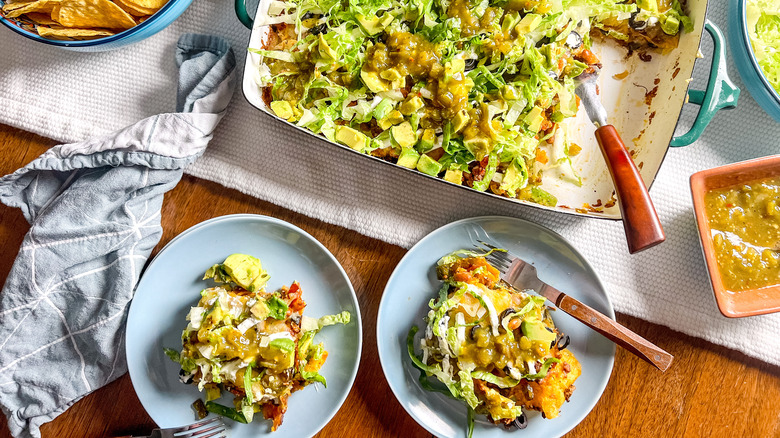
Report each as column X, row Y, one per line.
column 296, row 303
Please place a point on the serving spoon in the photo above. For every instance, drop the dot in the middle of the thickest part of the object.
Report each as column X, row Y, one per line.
column 640, row 221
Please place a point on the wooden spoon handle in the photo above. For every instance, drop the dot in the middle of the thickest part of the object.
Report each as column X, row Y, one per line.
column 615, row 332
column 641, row 223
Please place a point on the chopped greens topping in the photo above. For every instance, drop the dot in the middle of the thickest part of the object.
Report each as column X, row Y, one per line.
column 491, row 346
column 253, row 344
column 474, row 91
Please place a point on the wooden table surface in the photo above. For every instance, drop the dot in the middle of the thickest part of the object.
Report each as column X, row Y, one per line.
column 709, row 390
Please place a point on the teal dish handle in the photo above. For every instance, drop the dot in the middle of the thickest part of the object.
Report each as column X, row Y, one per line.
column 242, row 14
column 721, row 93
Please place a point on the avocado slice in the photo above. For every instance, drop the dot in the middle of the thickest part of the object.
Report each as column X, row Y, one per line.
column 479, row 146
column 528, row 23
column 383, row 108
column 373, row 81
column 372, row 25
column 282, row 108
column 534, row 119
column 536, row 331
column 671, row 25
column 393, row 118
column 404, row 135
column 390, row 74
column 325, row 50
column 648, row 5
column 429, row 166
column 456, row 65
column 410, row 106
column 426, row 140
column 515, row 177
column 246, row 271
column 408, row 158
column 260, row 310
column 460, row 121
column 509, row 92
column 352, row 138
column 454, row 176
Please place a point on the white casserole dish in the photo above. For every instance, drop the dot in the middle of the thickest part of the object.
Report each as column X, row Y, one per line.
column 644, row 107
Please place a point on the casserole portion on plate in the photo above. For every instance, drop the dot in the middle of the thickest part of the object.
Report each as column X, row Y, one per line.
column 474, row 92
column 493, row 347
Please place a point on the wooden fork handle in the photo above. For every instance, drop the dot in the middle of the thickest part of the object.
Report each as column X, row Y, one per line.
column 641, row 223
column 615, row 332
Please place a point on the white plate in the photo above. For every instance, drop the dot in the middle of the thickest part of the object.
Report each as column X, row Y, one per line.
column 172, row 283
column 414, row 283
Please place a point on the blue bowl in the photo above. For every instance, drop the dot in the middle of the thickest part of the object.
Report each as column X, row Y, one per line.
column 157, row 22
column 745, row 59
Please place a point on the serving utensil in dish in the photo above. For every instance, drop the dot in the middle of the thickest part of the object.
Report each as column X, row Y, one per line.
column 413, row 283
column 171, row 284
column 522, row 275
column 640, row 221
column 747, row 302
column 652, row 91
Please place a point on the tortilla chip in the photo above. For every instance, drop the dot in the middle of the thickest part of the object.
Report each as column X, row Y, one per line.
column 133, row 9
column 93, row 13
column 55, row 13
column 147, row 4
column 68, row 33
column 8, row 6
column 14, row 10
column 41, row 18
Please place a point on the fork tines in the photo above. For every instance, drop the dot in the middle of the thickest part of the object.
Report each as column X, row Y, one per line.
column 500, row 259
column 208, row 428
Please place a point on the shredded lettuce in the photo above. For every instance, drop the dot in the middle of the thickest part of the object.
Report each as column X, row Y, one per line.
column 464, row 253
column 248, row 384
column 763, row 25
column 496, row 87
column 172, row 354
column 543, row 370
column 227, row 412
column 285, row 344
column 501, row 382
column 339, row 318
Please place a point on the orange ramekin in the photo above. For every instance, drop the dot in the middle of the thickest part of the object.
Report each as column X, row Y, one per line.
column 748, row 302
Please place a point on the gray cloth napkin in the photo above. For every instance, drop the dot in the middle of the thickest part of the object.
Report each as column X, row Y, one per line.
column 94, row 211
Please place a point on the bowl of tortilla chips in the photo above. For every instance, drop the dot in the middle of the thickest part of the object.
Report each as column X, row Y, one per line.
column 89, row 25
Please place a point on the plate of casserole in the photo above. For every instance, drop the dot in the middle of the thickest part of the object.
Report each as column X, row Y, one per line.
column 247, row 317
column 469, row 356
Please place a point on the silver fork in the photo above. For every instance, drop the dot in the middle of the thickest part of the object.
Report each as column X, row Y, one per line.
column 209, row 428
column 522, row 275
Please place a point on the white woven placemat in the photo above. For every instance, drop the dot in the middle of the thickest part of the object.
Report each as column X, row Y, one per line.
column 69, row 96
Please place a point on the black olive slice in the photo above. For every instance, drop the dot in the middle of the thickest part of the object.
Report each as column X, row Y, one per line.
column 636, row 24
column 318, row 29
column 473, row 331
column 505, row 313
column 562, row 342
column 520, row 422
column 574, row 40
